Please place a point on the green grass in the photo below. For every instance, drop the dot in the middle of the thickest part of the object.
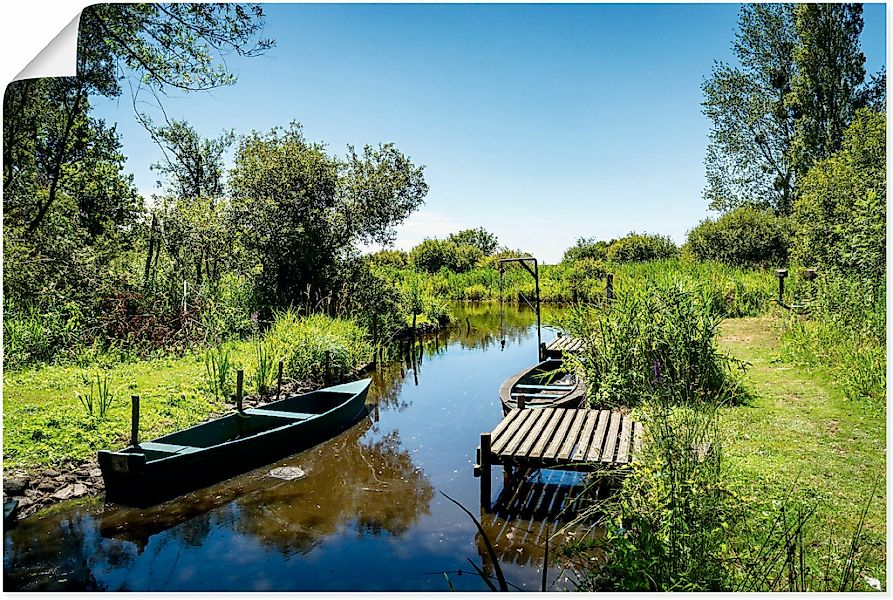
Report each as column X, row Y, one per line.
column 45, row 422
column 799, row 430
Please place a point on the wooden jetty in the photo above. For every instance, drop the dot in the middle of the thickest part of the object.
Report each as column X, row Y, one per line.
column 562, row 345
column 558, row 438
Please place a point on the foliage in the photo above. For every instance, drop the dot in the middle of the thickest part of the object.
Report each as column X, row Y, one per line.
column 478, row 237
column 390, row 258
column 305, row 342
column 745, row 236
column 841, row 215
column 587, row 248
column 219, row 373
column 305, row 209
column 751, row 125
column 432, row 255
column 100, row 397
column 826, row 89
column 640, row 247
column 659, row 340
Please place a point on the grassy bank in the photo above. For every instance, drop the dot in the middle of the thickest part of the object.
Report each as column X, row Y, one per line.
column 45, row 410
column 800, row 430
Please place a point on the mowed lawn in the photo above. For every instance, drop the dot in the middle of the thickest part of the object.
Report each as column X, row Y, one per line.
column 798, row 431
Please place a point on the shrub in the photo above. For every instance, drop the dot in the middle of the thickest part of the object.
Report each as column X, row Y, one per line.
column 746, row 236
column 476, row 292
column 640, row 247
column 432, row 255
column 587, row 248
column 656, row 340
column 840, row 216
column 389, row 258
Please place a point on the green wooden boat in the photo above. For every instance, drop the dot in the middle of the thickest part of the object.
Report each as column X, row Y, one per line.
column 192, row 458
column 546, row 384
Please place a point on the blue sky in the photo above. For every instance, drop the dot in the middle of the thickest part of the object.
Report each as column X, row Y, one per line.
column 541, row 123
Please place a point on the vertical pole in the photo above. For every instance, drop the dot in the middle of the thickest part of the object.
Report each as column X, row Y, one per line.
column 781, row 274
column 328, row 366
column 501, row 308
column 134, row 421
column 609, row 286
column 522, row 401
column 240, row 380
column 539, row 332
column 279, row 381
column 485, row 471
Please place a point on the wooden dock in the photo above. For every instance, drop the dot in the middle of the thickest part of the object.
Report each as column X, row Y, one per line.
column 558, row 438
column 563, row 344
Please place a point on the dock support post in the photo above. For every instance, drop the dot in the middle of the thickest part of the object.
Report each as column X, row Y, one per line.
column 279, row 381
column 485, row 471
column 609, row 286
column 240, row 380
column 542, row 351
column 522, row 401
column 134, row 421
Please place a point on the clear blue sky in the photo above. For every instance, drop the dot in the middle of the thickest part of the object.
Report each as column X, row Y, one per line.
column 541, row 123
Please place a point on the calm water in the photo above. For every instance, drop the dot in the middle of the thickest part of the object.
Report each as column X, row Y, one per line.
column 368, row 516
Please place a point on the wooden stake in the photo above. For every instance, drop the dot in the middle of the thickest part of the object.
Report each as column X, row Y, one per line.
column 240, row 377
column 279, row 381
column 522, row 400
column 485, row 471
column 609, row 286
column 134, row 421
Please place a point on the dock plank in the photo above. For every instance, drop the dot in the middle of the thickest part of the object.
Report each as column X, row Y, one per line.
column 536, row 431
column 508, row 434
column 573, row 435
column 503, row 425
column 547, row 433
column 611, row 438
column 625, row 435
column 522, row 433
column 598, row 438
column 551, row 451
column 586, row 435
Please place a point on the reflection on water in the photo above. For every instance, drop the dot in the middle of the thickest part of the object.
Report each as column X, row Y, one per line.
column 365, row 517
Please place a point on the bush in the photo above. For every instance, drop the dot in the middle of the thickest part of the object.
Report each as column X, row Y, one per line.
column 389, row 258
column 638, row 247
column 746, row 236
column 587, row 248
column 841, row 214
column 432, row 255
column 656, row 340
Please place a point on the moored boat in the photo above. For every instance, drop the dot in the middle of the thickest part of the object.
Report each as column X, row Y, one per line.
column 546, row 384
column 185, row 460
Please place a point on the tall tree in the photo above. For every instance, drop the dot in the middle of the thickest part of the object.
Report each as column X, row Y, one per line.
column 752, row 128
column 827, row 88
column 478, row 237
column 303, row 211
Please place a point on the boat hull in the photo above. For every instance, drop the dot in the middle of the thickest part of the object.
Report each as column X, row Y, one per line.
column 210, row 452
column 572, row 399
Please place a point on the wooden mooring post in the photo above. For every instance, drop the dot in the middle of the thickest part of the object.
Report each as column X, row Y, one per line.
column 240, row 381
column 484, row 463
column 781, row 274
column 134, row 421
column 279, row 381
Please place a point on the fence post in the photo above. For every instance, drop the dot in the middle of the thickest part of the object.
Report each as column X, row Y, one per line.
column 134, row 421
column 279, row 381
column 781, row 274
column 522, row 401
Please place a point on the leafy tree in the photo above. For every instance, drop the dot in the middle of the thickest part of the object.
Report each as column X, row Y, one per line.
column 748, row 154
column 640, row 247
column 746, row 236
column 587, row 248
column 826, row 89
column 191, row 165
column 432, row 255
column 303, row 211
column 842, row 213
column 478, row 237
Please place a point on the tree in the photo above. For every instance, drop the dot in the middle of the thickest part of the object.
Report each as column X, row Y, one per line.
column 303, row 211
column 164, row 46
column 842, row 213
column 479, row 237
column 746, row 236
column 748, row 153
column 587, row 248
column 827, row 87
column 641, row 247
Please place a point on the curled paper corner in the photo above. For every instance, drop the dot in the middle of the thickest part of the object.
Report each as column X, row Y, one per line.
column 58, row 58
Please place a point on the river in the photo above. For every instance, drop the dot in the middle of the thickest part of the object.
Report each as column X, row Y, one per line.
column 368, row 516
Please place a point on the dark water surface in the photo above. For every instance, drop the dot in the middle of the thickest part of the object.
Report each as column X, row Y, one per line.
column 368, row 516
